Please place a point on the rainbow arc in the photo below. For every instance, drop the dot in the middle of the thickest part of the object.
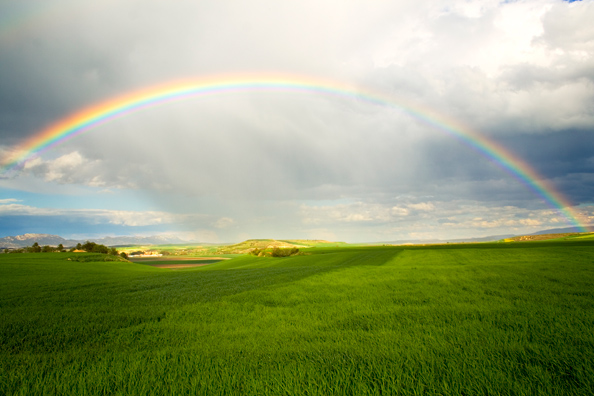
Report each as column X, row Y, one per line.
column 88, row 118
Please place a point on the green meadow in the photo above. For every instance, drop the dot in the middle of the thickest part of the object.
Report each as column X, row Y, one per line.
column 474, row 319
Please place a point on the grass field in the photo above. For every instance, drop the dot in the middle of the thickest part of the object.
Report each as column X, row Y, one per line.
column 488, row 319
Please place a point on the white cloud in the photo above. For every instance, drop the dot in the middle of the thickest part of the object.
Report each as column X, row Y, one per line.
column 396, row 211
column 224, row 222
column 346, row 213
column 422, row 206
column 437, row 219
column 70, row 168
column 12, row 209
column 116, row 217
column 9, row 201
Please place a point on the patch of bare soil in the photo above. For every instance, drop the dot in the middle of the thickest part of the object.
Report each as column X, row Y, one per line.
column 177, row 266
column 175, row 258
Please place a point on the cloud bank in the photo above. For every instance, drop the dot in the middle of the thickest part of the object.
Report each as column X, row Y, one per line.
column 297, row 164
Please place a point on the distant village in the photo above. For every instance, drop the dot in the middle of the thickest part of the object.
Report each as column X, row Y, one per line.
column 147, row 253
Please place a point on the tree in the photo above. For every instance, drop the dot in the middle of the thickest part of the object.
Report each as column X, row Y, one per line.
column 88, row 246
column 113, row 251
column 35, row 248
column 279, row 252
column 47, row 249
column 60, row 248
column 78, row 246
column 100, row 249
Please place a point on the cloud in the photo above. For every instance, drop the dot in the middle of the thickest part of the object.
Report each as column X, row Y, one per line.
column 224, row 222
column 8, row 201
column 422, row 206
column 518, row 72
column 116, row 217
column 438, row 219
column 71, row 168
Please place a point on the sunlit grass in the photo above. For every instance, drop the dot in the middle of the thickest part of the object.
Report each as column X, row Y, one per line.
column 465, row 319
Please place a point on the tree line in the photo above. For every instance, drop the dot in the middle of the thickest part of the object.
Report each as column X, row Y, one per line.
column 90, row 247
column 276, row 252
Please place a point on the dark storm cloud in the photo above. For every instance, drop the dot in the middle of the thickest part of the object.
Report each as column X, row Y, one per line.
column 43, row 80
column 565, row 157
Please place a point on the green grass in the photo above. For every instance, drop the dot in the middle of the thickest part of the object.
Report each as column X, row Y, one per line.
column 589, row 236
column 484, row 319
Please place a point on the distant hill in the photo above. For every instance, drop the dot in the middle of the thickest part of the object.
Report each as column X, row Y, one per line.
column 490, row 238
column 558, row 234
column 251, row 244
column 54, row 240
column 559, row 231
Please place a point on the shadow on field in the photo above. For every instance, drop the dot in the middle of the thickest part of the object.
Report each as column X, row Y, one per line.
column 179, row 288
column 51, row 305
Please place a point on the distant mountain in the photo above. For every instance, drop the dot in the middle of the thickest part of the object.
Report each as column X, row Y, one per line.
column 54, row 240
column 559, row 231
column 29, row 239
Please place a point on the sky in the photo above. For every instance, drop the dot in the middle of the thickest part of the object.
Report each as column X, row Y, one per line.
column 287, row 163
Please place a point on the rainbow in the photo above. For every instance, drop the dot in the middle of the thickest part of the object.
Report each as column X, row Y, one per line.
column 88, row 118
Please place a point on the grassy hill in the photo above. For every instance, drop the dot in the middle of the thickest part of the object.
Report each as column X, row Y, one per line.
column 480, row 319
column 233, row 249
column 548, row 237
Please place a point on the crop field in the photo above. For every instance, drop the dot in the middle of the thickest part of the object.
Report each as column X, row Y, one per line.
column 474, row 319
